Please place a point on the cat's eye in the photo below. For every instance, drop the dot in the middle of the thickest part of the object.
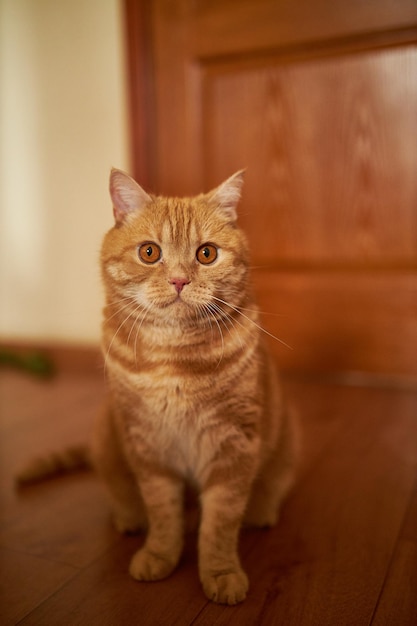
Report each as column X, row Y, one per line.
column 207, row 253
column 149, row 252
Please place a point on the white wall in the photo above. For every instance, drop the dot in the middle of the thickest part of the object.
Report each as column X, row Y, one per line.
column 63, row 124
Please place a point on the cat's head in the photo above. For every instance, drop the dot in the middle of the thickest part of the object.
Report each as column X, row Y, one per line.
column 174, row 257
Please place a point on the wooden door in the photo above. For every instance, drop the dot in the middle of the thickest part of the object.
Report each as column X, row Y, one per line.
column 318, row 100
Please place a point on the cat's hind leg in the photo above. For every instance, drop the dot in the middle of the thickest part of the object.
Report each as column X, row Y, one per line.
column 275, row 479
column 110, row 463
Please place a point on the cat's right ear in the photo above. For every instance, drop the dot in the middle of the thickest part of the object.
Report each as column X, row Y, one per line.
column 126, row 195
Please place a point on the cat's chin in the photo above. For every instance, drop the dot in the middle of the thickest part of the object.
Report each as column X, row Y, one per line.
column 179, row 312
column 175, row 308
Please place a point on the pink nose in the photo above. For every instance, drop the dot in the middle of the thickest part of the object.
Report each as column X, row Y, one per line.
column 179, row 283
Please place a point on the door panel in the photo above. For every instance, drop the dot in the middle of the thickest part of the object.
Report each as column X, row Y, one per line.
column 341, row 321
column 318, row 101
column 326, row 164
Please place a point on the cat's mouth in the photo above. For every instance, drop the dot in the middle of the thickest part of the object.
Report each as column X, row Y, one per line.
column 174, row 301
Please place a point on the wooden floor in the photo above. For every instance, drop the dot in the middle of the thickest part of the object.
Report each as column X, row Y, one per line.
column 345, row 551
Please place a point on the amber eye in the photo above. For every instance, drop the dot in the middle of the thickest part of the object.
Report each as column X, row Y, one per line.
column 207, row 254
column 149, row 252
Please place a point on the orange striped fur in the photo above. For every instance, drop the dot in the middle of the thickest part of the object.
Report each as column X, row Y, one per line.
column 193, row 393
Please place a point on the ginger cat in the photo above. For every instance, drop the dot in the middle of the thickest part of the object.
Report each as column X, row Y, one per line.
column 193, row 393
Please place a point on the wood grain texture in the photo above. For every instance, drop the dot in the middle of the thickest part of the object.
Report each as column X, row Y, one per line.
column 232, row 28
column 329, row 151
column 318, row 101
column 343, row 551
column 26, row 581
column 399, row 591
column 138, row 55
column 349, row 321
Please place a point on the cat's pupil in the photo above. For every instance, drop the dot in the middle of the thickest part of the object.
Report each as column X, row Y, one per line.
column 206, row 252
column 149, row 251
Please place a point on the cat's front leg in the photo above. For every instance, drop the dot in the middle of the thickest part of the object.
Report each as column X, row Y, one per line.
column 221, row 574
column 163, row 497
column 224, row 497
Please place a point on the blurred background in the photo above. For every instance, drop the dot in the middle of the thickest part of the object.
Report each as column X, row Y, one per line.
column 63, row 125
column 317, row 99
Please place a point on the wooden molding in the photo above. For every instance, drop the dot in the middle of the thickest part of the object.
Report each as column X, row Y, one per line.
column 59, row 357
column 141, row 92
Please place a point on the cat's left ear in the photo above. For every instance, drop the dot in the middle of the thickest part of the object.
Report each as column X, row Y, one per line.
column 227, row 195
column 126, row 194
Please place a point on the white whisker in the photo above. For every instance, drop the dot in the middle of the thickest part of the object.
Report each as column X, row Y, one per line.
column 222, row 315
column 138, row 309
column 145, row 312
column 113, row 338
column 128, row 301
column 221, row 337
column 238, row 310
column 209, row 315
column 242, row 308
column 204, row 315
column 133, row 312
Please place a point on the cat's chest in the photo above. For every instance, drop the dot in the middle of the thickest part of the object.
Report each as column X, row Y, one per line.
column 173, row 417
column 171, row 400
column 169, row 420
column 166, row 391
column 167, row 394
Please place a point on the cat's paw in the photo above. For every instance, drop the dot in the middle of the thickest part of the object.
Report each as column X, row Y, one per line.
column 230, row 588
column 148, row 566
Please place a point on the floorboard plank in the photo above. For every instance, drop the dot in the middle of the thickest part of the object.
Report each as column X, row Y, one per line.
column 326, row 561
column 65, row 520
column 27, row 581
column 105, row 594
column 398, row 603
column 344, row 551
